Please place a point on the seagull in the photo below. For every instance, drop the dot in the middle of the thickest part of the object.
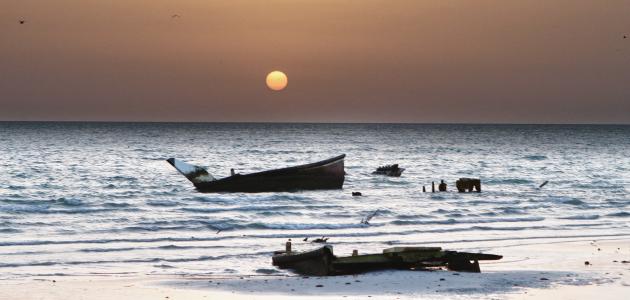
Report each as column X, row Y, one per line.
column 543, row 184
column 369, row 217
column 320, row 240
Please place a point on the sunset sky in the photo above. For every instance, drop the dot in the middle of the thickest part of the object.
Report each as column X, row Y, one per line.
column 517, row 61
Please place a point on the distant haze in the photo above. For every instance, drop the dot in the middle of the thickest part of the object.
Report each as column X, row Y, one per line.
column 519, row 61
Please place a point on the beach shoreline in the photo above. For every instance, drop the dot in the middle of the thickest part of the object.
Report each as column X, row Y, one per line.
column 551, row 270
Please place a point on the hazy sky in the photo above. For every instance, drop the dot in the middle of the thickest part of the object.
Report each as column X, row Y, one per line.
column 521, row 61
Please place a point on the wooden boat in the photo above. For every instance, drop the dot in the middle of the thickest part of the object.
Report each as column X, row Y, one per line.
column 389, row 170
column 322, row 261
column 326, row 174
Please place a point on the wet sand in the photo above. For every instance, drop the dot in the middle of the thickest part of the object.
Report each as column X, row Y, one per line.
column 545, row 270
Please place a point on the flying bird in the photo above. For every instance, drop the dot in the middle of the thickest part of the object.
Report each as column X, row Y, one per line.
column 543, row 184
column 369, row 217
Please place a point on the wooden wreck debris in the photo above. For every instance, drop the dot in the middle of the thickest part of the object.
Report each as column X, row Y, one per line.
column 468, row 184
column 322, row 261
column 442, row 186
column 389, row 170
column 287, row 246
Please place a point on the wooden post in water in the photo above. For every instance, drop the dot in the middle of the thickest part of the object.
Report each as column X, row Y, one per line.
column 287, row 247
column 432, row 186
column 423, row 189
column 355, row 252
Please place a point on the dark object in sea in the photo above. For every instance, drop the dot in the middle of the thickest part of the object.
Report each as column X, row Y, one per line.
column 22, row 21
column 357, row 194
column 320, row 240
column 543, row 184
column 326, row 174
column 587, row 263
column 322, row 262
column 467, row 184
column 442, row 186
column 389, row 170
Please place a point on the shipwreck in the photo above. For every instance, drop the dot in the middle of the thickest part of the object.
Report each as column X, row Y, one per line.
column 389, row 170
column 322, row 261
column 325, row 174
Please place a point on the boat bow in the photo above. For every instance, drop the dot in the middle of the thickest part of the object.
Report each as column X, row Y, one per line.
column 193, row 173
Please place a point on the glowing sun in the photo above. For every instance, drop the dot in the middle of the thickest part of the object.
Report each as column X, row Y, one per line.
column 277, row 80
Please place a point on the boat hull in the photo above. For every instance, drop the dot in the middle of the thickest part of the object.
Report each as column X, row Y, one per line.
column 327, row 174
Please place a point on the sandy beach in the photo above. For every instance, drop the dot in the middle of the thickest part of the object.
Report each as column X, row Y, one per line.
column 545, row 269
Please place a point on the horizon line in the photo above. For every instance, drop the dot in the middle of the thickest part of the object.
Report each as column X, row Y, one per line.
column 309, row 122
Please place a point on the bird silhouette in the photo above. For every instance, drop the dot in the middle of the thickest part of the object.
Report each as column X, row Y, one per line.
column 369, row 217
column 320, row 240
column 22, row 21
column 175, row 16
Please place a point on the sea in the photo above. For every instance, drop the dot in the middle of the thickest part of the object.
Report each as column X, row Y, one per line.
column 84, row 198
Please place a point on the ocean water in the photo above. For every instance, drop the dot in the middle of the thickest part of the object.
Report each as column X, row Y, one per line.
column 99, row 198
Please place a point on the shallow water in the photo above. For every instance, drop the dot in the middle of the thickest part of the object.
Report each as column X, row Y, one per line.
column 93, row 198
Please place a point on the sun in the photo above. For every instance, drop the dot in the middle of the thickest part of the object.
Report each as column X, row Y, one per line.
column 277, row 80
